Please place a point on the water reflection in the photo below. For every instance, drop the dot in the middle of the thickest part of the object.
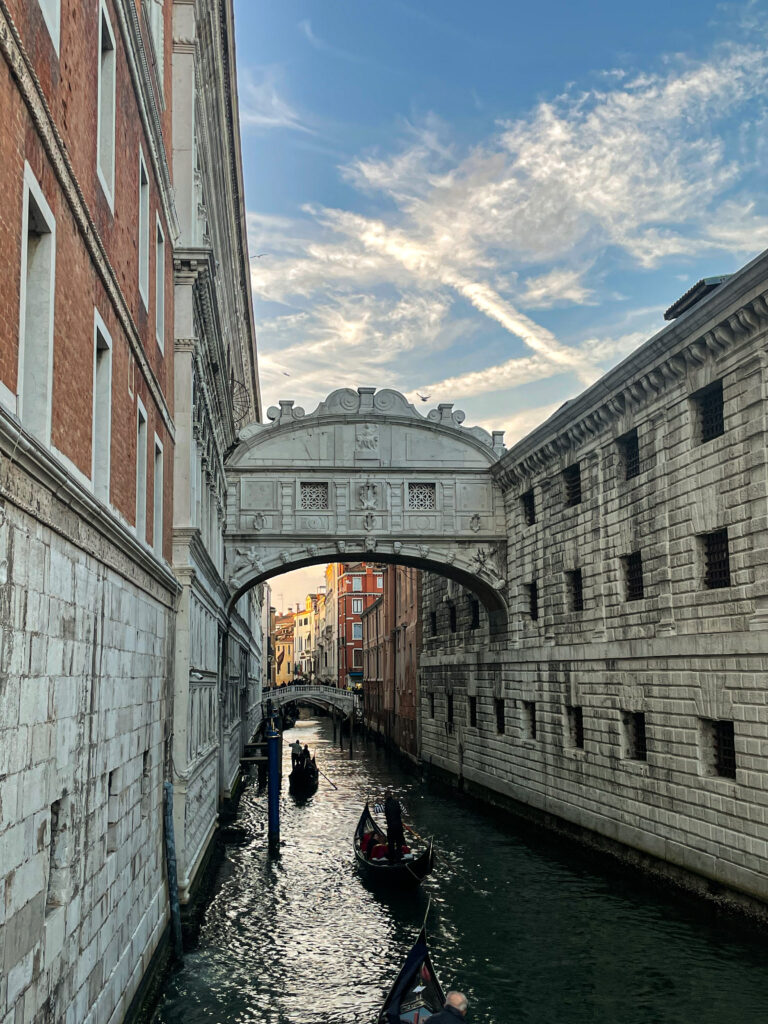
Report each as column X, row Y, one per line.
column 530, row 932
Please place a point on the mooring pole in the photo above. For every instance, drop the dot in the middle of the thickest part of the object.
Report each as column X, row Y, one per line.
column 351, row 732
column 273, row 788
column 341, row 731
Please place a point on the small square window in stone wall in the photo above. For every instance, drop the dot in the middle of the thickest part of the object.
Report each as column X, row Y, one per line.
column 717, row 569
column 574, row 717
column 572, row 485
column 313, row 496
column 709, row 406
column 529, row 719
column 633, row 576
column 422, row 497
column 575, row 583
column 634, row 735
column 472, row 711
column 718, row 748
column 528, row 504
column 630, row 454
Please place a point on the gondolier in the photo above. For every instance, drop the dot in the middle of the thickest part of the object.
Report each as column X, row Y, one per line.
column 295, row 753
column 395, row 836
column 373, row 862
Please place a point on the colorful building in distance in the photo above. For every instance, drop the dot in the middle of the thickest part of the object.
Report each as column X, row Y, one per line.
column 356, row 585
column 282, row 644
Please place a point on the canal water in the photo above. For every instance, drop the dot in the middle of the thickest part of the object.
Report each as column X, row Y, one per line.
column 533, row 932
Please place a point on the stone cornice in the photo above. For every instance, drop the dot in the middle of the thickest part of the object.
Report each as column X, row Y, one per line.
column 13, row 51
column 734, row 312
column 124, row 554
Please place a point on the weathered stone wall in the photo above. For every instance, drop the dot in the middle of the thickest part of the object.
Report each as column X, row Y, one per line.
column 575, row 682
column 83, row 706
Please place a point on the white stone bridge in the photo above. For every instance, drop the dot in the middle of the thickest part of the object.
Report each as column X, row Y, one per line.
column 329, row 698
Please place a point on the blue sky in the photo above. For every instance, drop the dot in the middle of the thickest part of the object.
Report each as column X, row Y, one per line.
column 491, row 203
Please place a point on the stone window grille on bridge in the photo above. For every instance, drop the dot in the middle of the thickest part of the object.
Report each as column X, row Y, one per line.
column 422, row 497
column 633, row 576
column 574, row 717
column 717, row 569
column 575, row 582
column 718, row 748
column 629, row 449
column 634, row 735
column 572, row 485
column 313, row 497
column 472, row 711
column 529, row 719
column 709, row 410
column 528, row 503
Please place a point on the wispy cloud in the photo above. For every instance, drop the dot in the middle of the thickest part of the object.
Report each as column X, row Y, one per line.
column 262, row 106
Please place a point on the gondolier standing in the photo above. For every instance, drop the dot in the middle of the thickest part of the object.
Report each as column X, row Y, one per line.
column 395, row 835
column 295, row 753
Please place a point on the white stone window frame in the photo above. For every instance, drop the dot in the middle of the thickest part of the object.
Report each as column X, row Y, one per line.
column 157, row 497
column 310, row 503
column 417, row 488
column 32, row 188
column 106, row 175
column 51, row 11
column 141, row 485
column 144, row 198
column 159, row 284
column 100, row 331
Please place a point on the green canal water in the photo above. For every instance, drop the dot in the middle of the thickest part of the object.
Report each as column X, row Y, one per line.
column 532, row 931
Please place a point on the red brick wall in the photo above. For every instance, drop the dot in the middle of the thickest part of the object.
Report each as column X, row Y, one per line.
column 70, row 82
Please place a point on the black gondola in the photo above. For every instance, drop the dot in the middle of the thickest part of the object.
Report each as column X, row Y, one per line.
column 304, row 778
column 416, row 993
column 409, row 871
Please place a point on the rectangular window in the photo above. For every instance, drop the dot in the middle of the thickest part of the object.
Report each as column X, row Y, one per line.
column 157, row 495
column 718, row 748
column 357, row 631
column 357, row 583
column 59, row 855
column 474, row 608
column 102, row 410
column 141, row 472
column 452, row 618
column 717, row 568
column 38, row 272
column 105, row 123
column 629, row 451
column 575, row 587
column 708, row 404
column 532, row 593
column 431, row 705
column 357, row 658
column 500, row 714
column 433, row 623
column 52, row 15
column 113, row 811
column 313, row 497
column 357, row 606
column 633, row 723
column 528, row 504
column 572, row 485
column 422, row 497
column 160, row 286
column 143, row 231
column 145, row 783
column 379, row 582
column 574, row 720
column 472, row 701
column 449, row 708
column 633, row 576
column 529, row 719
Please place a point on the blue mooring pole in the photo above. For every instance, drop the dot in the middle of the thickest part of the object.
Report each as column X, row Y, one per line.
column 273, row 786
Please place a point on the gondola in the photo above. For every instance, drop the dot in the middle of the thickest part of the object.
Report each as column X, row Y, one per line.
column 416, row 993
column 303, row 779
column 370, row 838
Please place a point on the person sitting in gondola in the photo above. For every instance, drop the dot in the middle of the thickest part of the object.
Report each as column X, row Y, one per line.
column 295, row 753
column 455, row 1009
column 395, row 835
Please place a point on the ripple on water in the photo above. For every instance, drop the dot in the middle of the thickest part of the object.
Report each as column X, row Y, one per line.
column 534, row 934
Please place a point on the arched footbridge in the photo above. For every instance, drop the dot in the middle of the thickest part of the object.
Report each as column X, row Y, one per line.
column 329, row 698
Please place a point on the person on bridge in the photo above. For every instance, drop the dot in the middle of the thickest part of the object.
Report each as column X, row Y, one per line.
column 295, row 753
column 455, row 1008
column 395, row 836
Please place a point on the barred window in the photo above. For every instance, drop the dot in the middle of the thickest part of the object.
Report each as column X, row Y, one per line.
column 572, row 485
column 433, row 623
column 574, row 719
column 634, row 735
column 718, row 748
column 474, row 606
column 709, row 409
column 529, row 719
column 500, row 715
column 449, row 708
column 422, row 497
column 629, row 449
column 452, row 618
column 532, row 592
column 431, row 705
column 575, row 584
column 633, row 576
column 717, row 569
column 313, row 496
column 529, row 507
column 472, row 711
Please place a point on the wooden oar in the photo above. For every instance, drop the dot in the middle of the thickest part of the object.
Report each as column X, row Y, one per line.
column 326, row 777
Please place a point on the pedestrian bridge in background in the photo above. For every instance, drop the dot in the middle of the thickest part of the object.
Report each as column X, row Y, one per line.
column 329, row 698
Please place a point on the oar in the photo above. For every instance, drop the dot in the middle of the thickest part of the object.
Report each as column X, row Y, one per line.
column 326, row 777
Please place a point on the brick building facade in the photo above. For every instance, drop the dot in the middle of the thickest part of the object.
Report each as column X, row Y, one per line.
column 356, row 586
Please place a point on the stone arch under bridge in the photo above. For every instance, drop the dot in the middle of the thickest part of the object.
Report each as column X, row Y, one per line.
column 366, row 476
column 328, row 698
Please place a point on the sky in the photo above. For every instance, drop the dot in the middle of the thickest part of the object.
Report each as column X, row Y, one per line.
column 491, row 203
